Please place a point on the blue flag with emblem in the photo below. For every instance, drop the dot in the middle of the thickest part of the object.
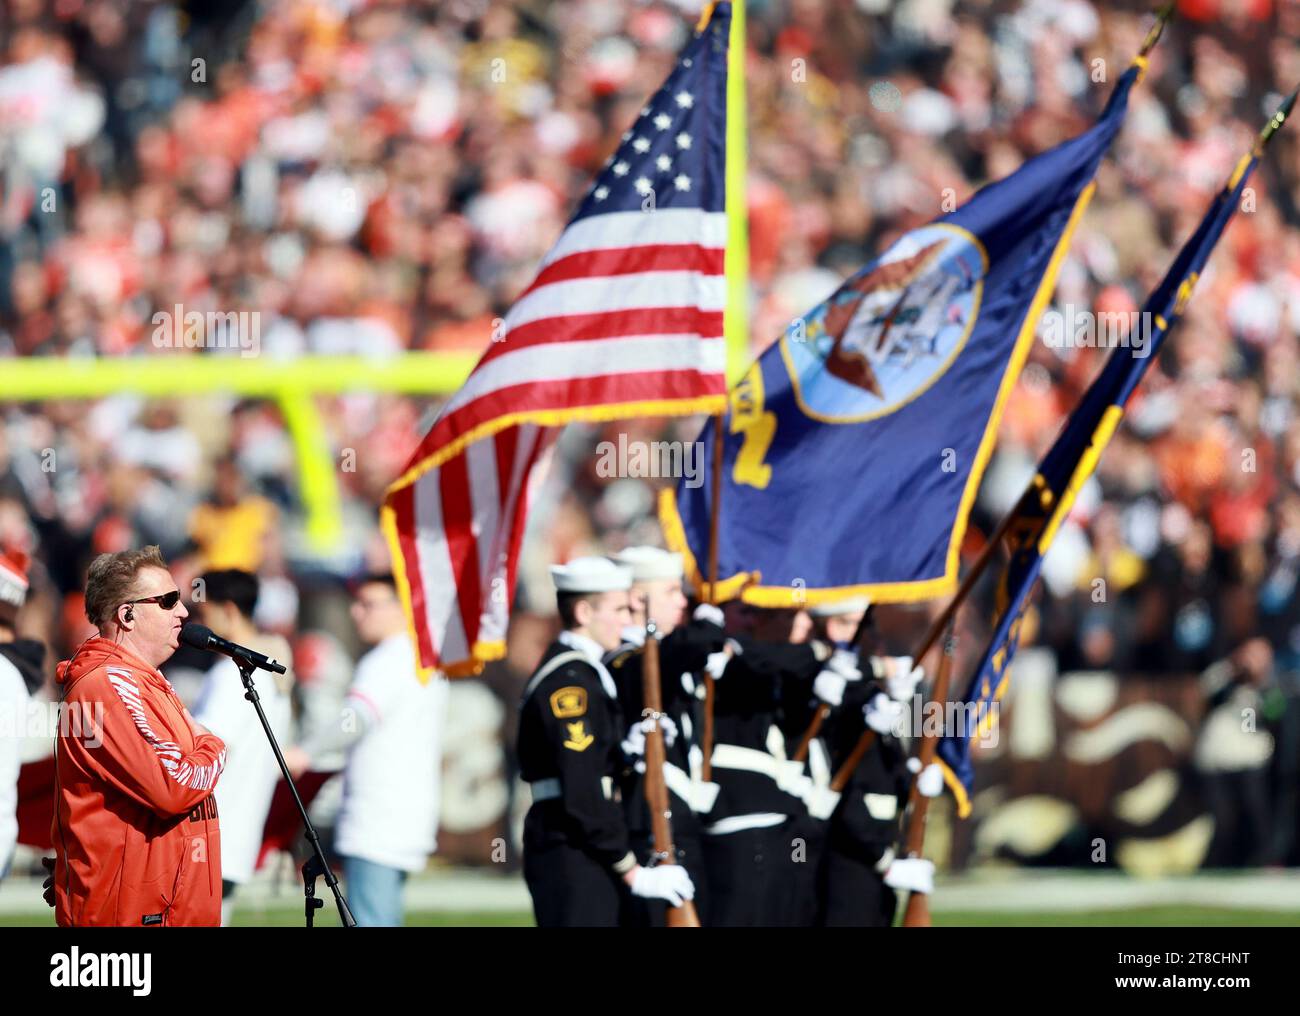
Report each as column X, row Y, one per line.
column 853, row 447
column 1069, row 462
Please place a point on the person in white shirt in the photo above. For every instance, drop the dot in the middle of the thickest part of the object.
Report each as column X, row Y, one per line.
column 391, row 723
column 248, row 783
column 20, row 662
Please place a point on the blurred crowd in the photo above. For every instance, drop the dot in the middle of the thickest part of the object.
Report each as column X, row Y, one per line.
column 382, row 176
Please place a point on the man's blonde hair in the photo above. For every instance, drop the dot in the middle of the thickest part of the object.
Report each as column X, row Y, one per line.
column 110, row 581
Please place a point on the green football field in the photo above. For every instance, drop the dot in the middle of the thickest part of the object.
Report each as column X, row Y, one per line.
column 450, row 897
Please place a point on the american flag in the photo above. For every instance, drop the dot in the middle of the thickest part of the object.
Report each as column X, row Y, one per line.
column 624, row 319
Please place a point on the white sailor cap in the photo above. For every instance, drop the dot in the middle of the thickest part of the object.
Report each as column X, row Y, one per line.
column 590, row 575
column 856, row 605
column 650, row 563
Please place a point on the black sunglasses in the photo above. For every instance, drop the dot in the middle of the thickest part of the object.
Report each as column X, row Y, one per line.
column 165, row 600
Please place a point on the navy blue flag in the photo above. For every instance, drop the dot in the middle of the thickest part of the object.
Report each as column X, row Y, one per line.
column 1069, row 462
column 854, row 446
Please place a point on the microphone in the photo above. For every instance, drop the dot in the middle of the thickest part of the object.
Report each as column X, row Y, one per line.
column 202, row 637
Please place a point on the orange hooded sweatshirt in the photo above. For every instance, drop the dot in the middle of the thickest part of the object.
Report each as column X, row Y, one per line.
column 135, row 829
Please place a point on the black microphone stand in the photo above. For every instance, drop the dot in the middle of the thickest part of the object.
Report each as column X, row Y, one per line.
column 316, row 865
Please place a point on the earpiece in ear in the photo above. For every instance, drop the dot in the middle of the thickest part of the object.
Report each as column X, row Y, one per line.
column 130, row 615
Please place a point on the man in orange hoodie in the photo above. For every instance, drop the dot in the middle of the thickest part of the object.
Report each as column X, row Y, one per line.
column 135, row 829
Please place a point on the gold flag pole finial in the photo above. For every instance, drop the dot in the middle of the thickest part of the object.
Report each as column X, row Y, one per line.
column 1163, row 17
column 1275, row 123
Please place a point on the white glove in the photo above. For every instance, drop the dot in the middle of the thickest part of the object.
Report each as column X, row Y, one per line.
column 822, row 802
column 634, row 744
column 666, row 724
column 915, row 874
column 829, row 687
column 930, row 782
column 717, row 663
column 666, row 882
column 840, row 669
column 708, row 612
column 903, row 678
column 884, row 715
column 845, row 663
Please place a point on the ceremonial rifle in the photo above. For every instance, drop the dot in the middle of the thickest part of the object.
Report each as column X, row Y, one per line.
column 656, row 790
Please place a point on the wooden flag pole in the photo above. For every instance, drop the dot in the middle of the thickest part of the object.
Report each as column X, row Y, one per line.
column 814, row 728
column 823, row 710
column 938, row 624
column 868, row 737
column 656, row 790
column 706, row 740
column 985, row 558
column 917, row 914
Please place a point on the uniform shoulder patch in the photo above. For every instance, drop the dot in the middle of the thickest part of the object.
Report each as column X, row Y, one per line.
column 579, row 739
column 569, row 702
column 621, row 656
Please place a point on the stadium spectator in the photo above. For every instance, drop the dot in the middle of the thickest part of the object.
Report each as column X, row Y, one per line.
column 391, row 725
column 232, row 528
column 247, row 786
column 1232, row 755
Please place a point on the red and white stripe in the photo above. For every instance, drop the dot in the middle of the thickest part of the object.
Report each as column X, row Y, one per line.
column 618, row 313
column 626, row 313
column 169, row 754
